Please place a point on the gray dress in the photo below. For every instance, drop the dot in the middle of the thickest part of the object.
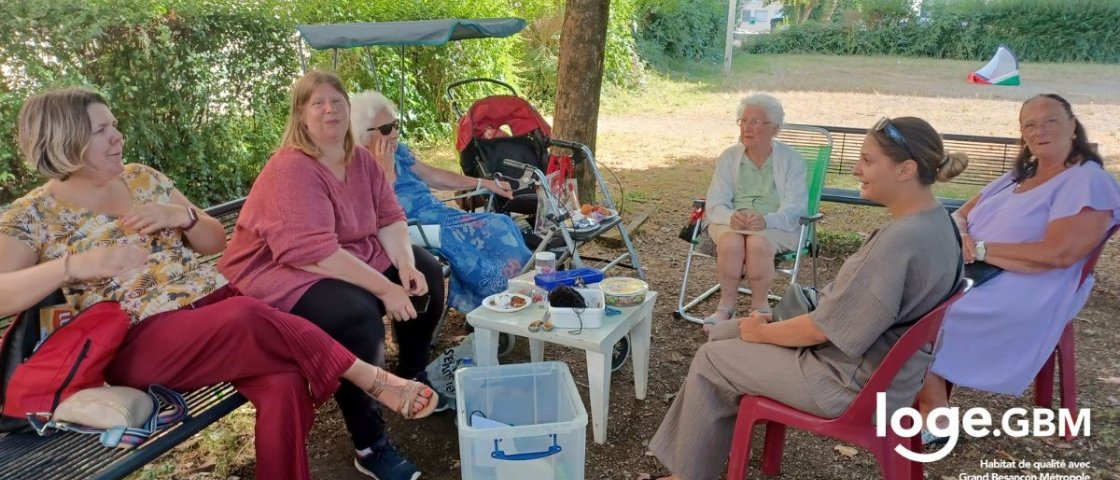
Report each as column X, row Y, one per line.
column 903, row 271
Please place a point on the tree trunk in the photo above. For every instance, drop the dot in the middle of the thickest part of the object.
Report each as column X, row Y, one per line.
column 832, row 7
column 579, row 80
column 808, row 11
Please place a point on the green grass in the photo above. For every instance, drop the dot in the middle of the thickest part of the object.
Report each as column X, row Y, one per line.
column 672, row 85
column 219, row 450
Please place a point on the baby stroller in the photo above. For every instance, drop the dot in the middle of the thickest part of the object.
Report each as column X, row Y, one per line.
column 496, row 128
column 503, row 136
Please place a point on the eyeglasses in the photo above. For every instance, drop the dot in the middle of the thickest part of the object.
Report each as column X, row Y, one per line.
column 387, row 128
column 892, row 132
column 754, row 122
column 1049, row 124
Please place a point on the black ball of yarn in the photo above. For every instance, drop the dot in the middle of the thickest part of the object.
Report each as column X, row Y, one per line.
column 566, row 297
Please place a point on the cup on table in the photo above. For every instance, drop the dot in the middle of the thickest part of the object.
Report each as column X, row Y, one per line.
column 545, row 262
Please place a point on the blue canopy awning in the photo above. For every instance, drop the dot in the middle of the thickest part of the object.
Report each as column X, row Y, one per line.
column 420, row 32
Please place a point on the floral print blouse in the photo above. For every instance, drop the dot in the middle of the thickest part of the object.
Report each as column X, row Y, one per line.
column 174, row 276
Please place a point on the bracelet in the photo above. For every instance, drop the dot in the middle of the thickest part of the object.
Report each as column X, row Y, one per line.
column 478, row 185
column 193, row 216
column 66, row 268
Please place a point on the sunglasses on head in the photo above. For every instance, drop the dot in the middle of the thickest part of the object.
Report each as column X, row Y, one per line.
column 387, row 128
column 892, row 132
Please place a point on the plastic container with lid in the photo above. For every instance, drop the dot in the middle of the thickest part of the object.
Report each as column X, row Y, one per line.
column 624, row 291
column 520, row 421
column 545, row 263
column 585, row 276
column 579, row 318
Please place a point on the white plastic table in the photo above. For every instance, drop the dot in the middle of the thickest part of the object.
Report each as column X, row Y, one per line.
column 598, row 343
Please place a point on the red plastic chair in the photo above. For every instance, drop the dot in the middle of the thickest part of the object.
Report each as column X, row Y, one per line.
column 854, row 425
column 1063, row 354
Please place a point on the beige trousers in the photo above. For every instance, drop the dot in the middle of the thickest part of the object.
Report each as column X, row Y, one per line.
column 695, row 437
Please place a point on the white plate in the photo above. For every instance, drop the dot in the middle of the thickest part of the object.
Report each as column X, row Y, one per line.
column 491, row 302
column 611, row 213
column 598, row 224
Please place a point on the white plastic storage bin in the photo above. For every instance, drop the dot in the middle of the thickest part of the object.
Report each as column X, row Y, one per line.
column 590, row 317
column 520, row 421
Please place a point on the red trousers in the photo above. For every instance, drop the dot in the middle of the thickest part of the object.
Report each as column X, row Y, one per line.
column 283, row 364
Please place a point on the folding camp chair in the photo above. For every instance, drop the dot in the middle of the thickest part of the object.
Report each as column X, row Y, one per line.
column 815, row 145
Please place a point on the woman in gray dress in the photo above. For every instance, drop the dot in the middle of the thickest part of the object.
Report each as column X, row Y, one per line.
column 820, row 361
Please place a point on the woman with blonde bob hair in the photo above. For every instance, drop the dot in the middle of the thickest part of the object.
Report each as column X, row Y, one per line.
column 321, row 235
column 101, row 230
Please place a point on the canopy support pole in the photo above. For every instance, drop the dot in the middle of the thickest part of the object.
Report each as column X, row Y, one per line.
column 302, row 58
column 400, row 100
column 371, row 64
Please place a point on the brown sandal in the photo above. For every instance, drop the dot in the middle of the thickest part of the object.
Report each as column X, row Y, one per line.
column 408, row 392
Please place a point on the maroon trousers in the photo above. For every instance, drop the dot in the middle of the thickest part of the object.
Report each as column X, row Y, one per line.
column 283, row 364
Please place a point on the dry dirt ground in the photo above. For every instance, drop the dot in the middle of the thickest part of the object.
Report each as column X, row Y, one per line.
column 660, row 144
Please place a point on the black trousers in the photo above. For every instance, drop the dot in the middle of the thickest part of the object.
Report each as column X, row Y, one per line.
column 353, row 316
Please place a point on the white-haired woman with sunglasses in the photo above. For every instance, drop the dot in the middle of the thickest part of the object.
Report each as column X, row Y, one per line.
column 1038, row 222
column 757, row 194
column 820, row 361
column 484, row 249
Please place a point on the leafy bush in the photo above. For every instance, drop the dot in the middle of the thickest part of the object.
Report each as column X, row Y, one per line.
column 201, row 87
column 198, row 90
column 1036, row 30
column 681, row 29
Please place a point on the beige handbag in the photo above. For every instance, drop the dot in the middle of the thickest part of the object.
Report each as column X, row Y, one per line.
column 106, row 407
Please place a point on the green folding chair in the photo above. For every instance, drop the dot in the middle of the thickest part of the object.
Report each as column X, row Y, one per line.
column 815, row 146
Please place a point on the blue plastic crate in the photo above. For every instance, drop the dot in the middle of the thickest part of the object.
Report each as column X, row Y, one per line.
column 585, row 276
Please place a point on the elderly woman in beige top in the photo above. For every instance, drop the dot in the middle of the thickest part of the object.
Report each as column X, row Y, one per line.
column 757, row 193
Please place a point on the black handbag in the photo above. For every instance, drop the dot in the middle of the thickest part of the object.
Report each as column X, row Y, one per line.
column 980, row 272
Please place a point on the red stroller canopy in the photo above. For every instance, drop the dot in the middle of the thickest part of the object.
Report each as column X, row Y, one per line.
column 487, row 116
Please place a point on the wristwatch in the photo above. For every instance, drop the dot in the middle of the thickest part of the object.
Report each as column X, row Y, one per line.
column 981, row 251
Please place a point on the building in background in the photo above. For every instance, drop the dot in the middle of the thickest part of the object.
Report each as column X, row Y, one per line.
column 755, row 16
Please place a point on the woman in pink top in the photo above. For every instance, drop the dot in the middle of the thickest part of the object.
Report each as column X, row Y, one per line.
column 102, row 230
column 322, row 236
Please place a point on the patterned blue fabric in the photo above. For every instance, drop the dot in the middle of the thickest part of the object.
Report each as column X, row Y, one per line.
column 484, row 249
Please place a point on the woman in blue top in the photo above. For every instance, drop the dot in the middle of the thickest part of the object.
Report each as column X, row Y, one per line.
column 484, row 249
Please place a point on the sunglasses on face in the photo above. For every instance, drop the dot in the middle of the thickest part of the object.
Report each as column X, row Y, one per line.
column 892, row 132
column 387, row 128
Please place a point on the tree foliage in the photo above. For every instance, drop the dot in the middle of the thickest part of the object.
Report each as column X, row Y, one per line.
column 201, row 87
column 681, row 29
column 1036, row 30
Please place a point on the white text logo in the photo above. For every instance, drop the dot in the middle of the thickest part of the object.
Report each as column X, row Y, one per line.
column 976, row 422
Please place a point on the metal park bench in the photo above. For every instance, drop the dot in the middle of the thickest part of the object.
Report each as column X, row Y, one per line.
column 989, row 157
column 66, row 455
